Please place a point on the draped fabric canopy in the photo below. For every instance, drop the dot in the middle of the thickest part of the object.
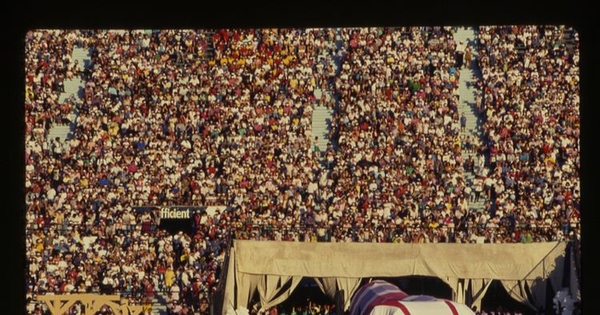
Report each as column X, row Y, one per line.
column 274, row 269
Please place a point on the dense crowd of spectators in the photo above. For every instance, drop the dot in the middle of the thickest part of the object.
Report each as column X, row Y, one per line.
column 530, row 92
column 223, row 117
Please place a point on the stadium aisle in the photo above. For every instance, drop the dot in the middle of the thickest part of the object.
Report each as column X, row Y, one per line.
column 467, row 107
column 73, row 89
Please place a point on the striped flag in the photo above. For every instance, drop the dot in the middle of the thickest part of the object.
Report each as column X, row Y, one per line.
column 376, row 292
column 383, row 298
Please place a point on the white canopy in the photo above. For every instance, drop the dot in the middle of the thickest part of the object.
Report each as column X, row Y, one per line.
column 274, row 269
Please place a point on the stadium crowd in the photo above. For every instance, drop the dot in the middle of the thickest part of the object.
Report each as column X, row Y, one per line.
column 223, row 117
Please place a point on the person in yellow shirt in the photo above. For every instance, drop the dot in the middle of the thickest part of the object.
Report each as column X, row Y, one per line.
column 433, row 225
column 113, row 129
column 169, row 277
column 223, row 61
column 293, row 83
column 39, row 246
column 84, row 182
column 185, row 256
column 29, row 94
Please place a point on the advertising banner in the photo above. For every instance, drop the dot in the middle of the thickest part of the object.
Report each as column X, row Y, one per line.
column 179, row 218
